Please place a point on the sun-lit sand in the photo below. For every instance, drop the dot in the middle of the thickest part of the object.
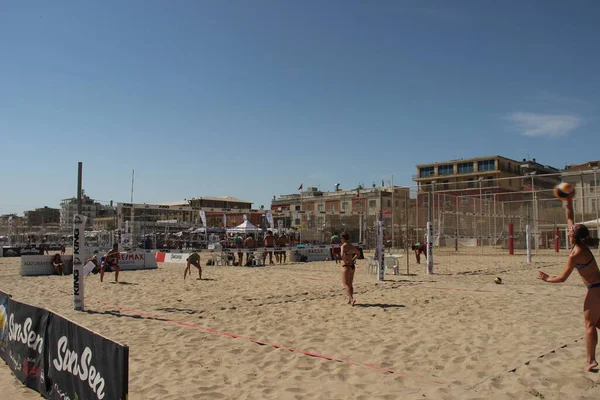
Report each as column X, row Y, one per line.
column 453, row 335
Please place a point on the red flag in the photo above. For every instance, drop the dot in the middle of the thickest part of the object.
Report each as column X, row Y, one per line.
column 300, row 187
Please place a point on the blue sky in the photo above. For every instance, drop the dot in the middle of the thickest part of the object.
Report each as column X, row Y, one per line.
column 252, row 98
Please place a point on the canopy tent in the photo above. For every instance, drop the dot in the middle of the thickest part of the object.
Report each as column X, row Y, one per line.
column 244, row 227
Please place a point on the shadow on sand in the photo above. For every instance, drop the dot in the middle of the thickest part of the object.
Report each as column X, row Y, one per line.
column 380, row 305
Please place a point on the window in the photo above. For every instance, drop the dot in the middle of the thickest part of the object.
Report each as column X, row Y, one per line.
column 486, row 165
column 470, row 183
column 320, row 207
column 345, row 206
column 445, row 185
column 332, row 208
column 426, row 171
column 372, row 203
column 446, row 169
column 489, row 196
column 490, row 181
column 465, row 168
column 320, row 221
column 297, row 208
column 448, row 199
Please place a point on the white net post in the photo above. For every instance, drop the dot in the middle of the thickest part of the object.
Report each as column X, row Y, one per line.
column 429, row 248
column 528, row 242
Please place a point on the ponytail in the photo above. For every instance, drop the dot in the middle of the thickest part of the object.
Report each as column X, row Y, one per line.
column 590, row 241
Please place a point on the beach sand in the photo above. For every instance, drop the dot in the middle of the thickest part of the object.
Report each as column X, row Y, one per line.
column 452, row 335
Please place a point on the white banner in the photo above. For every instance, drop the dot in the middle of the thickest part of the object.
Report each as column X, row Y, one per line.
column 134, row 260
column 78, row 259
column 42, row 265
column 245, row 218
column 310, row 254
column 224, row 220
column 280, row 226
column 203, row 218
column 270, row 221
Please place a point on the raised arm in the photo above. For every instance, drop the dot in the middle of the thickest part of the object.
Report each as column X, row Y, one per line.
column 569, row 212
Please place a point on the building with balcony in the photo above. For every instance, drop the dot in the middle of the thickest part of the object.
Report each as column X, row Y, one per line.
column 586, row 178
column 41, row 217
column 325, row 211
column 485, row 176
column 90, row 208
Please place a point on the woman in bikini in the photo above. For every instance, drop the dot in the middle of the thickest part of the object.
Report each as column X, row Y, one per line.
column 349, row 256
column 582, row 259
column 193, row 259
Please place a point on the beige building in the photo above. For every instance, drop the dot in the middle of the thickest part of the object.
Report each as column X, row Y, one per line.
column 484, row 176
column 316, row 226
column 586, row 178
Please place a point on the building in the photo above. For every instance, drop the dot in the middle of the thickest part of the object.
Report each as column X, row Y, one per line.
column 586, row 178
column 11, row 223
column 233, row 219
column 484, row 175
column 184, row 215
column 90, row 208
column 327, row 212
column 104, row 224
column 41, row 217
column 472, row 196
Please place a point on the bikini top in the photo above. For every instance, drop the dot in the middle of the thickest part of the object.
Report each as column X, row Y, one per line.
column 580, row 266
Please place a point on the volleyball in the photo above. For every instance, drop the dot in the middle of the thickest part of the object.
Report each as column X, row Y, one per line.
column 563, row 190
column 498, row 280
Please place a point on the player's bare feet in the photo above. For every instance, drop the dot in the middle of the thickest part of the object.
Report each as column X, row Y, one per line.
column 592, row 365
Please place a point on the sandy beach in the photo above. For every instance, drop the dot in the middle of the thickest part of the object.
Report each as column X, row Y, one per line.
column 244, row 333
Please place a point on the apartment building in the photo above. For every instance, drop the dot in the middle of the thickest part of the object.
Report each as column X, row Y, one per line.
column 586, row 178
column 485, row 176
column 372, row 201
column 42, row 216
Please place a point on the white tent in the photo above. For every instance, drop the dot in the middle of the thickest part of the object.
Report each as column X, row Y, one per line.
column 244, row 227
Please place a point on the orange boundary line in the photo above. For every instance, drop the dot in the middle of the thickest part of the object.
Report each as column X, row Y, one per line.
column 293, row 350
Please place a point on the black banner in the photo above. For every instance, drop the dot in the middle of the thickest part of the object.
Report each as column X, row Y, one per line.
column 84, row 365
column 58, row 358
column 21, row 251
column 22, row 341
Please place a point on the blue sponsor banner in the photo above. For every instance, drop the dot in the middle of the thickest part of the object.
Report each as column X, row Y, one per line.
column 58, row 358
column 22, row 338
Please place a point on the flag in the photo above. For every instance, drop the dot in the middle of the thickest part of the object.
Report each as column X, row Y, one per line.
column 300, row 187
column 358, row 192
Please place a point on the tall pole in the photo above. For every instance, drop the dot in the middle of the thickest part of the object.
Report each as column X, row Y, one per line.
column 132, row 223
column 481, row 211
column 406, row 235
column 596, row 205
column 393, row 207
column 79, row 186
column 78, row 246
column 300, row 214
column 582, row 200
